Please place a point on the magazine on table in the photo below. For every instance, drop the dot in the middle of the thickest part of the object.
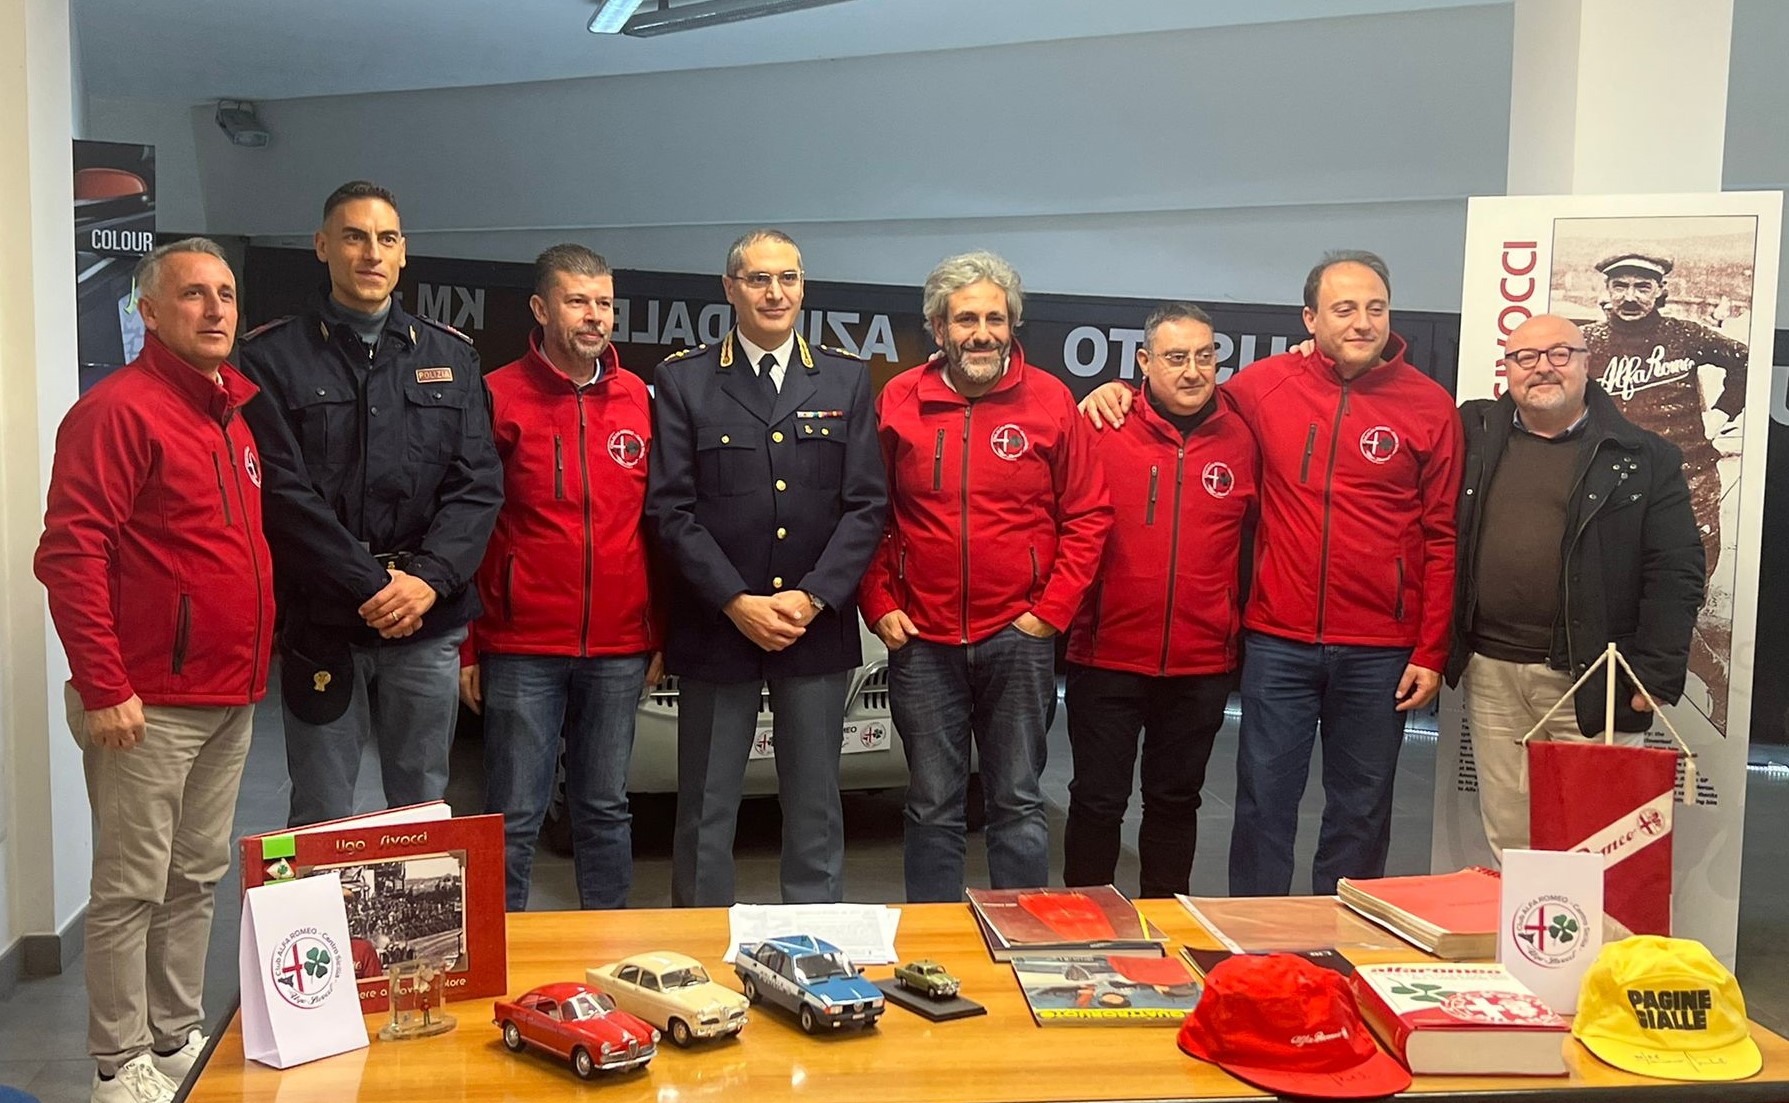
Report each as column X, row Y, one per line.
column 1110, row 990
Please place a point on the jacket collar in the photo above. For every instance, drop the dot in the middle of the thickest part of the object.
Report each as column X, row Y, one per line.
column 187, row 381
column 1324, row 368
column 933, row 388
column 1605, row 420
column 1143, row 410
column 547, row 374
column 400, row 324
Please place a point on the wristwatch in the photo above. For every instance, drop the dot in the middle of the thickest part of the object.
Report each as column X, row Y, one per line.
column 819, row 605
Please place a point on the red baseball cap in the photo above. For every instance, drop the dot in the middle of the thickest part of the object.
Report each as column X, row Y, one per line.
column 1286, row 1025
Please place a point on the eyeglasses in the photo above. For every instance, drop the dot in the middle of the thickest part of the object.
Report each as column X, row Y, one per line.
column 1205, row 358
column 760, row 281
column 1558, row 356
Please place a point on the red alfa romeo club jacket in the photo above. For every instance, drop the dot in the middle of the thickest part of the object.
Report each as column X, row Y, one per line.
column 1166, row 602
column 566, row 570
column 996, row 506
column 1358, row 483
column 158, row 573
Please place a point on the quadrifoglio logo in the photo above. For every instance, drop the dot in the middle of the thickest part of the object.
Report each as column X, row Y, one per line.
column 305, row 966
column 1549, row 929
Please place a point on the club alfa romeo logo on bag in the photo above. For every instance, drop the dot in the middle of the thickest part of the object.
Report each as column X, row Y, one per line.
column 626, row 447
column 305, row 967
column 1009, row 441
column 1218, row 479
column 1549, row 930
column 1379, row 444
column 251, row 465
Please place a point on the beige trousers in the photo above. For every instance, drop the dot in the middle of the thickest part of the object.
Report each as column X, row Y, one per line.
column 1504, row 700
column 162, row 818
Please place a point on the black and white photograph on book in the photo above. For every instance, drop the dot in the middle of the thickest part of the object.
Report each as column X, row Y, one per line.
column 1675, row 298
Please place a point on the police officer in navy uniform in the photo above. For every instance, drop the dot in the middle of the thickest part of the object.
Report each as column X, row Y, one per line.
column 766, row 494
column 381, row 488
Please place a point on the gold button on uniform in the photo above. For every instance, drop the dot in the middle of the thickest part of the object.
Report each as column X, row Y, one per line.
column 777, row 582
column 781, row 533
column 777, row 436
column 781, row 485
column 725, row 439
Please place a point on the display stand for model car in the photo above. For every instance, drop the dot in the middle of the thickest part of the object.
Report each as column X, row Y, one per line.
column 938, row 1010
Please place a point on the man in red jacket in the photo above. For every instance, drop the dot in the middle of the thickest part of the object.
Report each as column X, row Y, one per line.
column 1348, row 622
column 997, row 516
column 1154, row 647
column 568, row 637
column 161, row 590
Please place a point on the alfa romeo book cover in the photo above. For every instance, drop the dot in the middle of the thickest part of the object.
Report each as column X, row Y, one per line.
column 417, row 883
column 1052, row 921
column 1461, row 1018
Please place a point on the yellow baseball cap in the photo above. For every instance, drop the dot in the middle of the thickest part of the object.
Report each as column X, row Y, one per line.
column 1665, row 1007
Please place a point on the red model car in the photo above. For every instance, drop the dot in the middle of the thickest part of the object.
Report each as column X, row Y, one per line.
column 578, row 1023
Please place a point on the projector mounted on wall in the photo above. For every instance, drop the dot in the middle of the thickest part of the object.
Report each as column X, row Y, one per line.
column 645, row 18
column 236, row 118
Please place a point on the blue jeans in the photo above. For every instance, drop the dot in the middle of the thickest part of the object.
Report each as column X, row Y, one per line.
column 528, row 701
column 407, row 697
column 998, row 690
column 1291, row 693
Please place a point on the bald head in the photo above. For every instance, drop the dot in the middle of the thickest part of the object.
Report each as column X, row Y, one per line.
column 1548, row 369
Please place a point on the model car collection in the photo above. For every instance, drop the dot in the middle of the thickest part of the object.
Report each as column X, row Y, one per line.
column 672, row 992
column 578, row 1023
column 810, row 979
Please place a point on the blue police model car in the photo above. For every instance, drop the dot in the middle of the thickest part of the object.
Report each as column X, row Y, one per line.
column 811, row 978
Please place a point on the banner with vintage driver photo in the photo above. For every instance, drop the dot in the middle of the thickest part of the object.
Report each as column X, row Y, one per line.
column 1676, row 295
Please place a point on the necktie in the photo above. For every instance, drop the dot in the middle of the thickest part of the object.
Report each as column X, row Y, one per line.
column 765, row 379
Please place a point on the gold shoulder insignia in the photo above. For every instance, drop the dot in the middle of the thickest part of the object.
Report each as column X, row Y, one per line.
column 843, row 353
column 681, row 353
column 275, row 324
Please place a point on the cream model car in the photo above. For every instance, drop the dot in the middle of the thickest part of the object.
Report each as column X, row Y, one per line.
column 672, row 992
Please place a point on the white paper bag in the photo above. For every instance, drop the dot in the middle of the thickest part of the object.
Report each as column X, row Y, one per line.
column 1552, row 921
column 299, row 1001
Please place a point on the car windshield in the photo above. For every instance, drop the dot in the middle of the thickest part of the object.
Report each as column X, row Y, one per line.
column 684, row 978
column 586, row 1005
column 822, row 966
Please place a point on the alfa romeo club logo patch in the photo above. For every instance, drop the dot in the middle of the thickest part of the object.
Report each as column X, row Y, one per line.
column 1218, row 479
column 1009, row 441
column 1379, row 444
column 305, row 967
column 251, row 465
column 626, row 447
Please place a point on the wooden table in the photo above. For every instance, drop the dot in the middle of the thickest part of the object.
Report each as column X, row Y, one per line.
column 1001, row 1056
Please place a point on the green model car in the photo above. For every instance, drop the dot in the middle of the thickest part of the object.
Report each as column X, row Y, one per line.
column 927, row 977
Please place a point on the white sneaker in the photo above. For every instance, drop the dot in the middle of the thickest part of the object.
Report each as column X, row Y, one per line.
column 137, row 1081
column 176, row 1065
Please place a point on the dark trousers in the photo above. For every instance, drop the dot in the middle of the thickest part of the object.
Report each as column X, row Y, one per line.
column 1179, row 718
column 1291, row 693
column 716, row 723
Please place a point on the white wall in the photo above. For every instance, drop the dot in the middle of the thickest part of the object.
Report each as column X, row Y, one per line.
column 179, row 194
column 44, row 835
column 1211, row 163
column 1757, row 151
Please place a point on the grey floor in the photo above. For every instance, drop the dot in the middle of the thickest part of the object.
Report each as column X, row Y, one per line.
column 43, row 1021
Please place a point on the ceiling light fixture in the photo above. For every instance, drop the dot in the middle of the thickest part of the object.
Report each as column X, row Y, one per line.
column 669, row 18
column 611, row 14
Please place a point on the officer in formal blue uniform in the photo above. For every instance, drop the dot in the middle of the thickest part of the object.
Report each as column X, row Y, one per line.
column 381, row 487
column 767, row 496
